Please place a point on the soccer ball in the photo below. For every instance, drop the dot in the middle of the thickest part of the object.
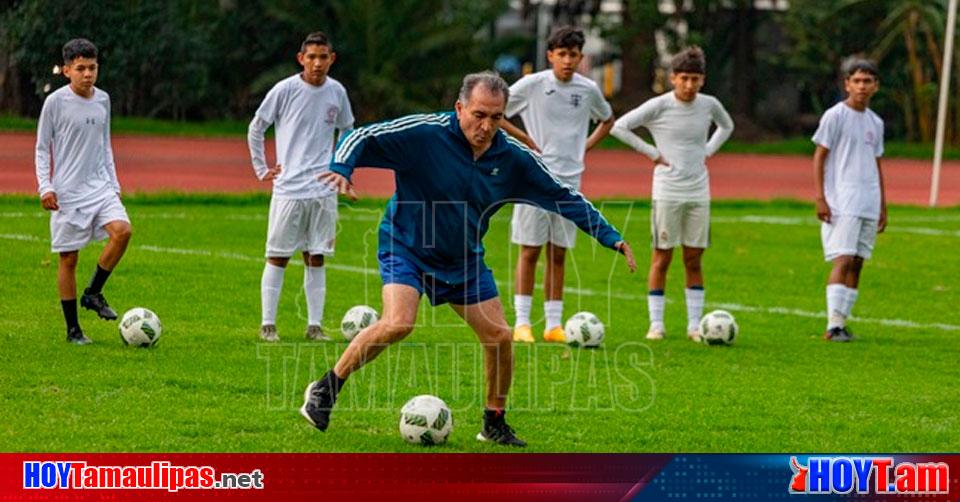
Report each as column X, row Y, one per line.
column 356, row 319
column 584, row 330
column 718, row 328
column 140, row 327
column 425, row 420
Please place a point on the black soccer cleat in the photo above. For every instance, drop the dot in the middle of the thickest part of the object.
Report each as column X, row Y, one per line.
column 837, row 334
column 496, row 430
column 318, row 401
column 75, row 336
column 98, row 304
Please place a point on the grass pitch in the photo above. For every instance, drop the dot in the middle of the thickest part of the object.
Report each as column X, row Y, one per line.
column 210, row 386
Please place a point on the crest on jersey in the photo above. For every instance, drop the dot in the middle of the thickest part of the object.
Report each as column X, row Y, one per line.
column 332, row 112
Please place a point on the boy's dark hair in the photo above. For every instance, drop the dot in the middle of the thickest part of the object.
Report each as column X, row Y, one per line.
column 689, row 60
column 79, row 48
column 566, row 37
column 316, row 38
column 854, row 64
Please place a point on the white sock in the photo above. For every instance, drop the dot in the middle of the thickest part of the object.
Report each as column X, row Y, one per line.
column 270, row 285
column 836, row 298
column 553, row 309
column 522, row 305
column 655, row 304
column 694, row 307
column 315, row 287
column 851, row 298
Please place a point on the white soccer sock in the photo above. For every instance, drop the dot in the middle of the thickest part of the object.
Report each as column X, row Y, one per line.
column 851, row 298
column 522, row 305
column 315, row 287
column 836, row 298
column 270, row 285
column 655, row 304
column 553, row 309
column 694, row 307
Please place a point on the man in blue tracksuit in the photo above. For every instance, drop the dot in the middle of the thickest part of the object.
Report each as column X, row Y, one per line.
column 453, row 172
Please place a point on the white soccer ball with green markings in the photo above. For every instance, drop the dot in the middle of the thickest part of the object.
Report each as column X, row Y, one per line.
column 356, row 319
column 140, row 327
column 425, row 420
column 584, row 330
column 718, row 328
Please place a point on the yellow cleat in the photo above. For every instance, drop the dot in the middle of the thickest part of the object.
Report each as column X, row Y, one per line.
column 555, row 335
column 523, row 334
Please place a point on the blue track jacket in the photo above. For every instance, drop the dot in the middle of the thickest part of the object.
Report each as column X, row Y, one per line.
column 444, row 198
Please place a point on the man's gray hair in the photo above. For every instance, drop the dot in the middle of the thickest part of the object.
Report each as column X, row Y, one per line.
column 489, row 79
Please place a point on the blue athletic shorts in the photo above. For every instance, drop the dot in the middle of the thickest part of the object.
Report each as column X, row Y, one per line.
column 395, row 269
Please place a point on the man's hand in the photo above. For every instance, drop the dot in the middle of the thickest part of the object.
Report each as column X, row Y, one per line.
column 49, row 201
column 341, row 184
column 272, row 173
column 823, row 210
column 624, row 248
column 882, row 223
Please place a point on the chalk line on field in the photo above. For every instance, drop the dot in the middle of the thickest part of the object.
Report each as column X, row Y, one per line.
column 736, row 307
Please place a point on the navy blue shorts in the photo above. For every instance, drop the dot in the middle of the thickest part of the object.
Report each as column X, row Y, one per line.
column 396, row 269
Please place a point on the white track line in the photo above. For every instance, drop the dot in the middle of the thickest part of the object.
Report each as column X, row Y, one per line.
column 368, row 215
column 902, row 323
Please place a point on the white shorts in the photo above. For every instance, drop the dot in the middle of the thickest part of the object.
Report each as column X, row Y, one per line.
column 72, row 228
column 306, row 224
column 848, row 236
column 674, row 223
column 534, row 226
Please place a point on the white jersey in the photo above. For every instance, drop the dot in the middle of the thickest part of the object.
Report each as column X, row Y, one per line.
column 557, row 116
column 680, row 131
column 851, row 180
column 78, row 131
column 306, row 118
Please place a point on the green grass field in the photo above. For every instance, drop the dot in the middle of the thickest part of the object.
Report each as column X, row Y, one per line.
column 210, row 386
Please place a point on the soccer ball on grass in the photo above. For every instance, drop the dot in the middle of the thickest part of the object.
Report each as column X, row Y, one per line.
column 356, row 319
column 140, row 327
column 425, row 420
column 584, row 330
column 718, row 328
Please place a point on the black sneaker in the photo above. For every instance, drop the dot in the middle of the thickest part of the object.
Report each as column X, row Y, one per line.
column 98, row 304
column 318, row 401
column 496, row 430
column 837, row 334
column 75, row 336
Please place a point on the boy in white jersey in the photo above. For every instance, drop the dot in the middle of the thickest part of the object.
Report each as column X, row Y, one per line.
column 680, row 206
column 850, row 196
column 556, row 106
column 81, row 190
column 307, row 110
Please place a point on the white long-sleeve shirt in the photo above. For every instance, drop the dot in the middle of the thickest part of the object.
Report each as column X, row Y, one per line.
column 77, row 130
column 306, row 119
column 680, row 131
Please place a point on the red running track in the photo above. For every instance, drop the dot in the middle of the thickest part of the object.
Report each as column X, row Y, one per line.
column 151, row 164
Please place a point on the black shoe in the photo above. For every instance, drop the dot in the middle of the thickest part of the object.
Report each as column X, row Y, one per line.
column 318, row 401
column 496, row 430
column 76, row 336
column 837, row 334
column 98, row 304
